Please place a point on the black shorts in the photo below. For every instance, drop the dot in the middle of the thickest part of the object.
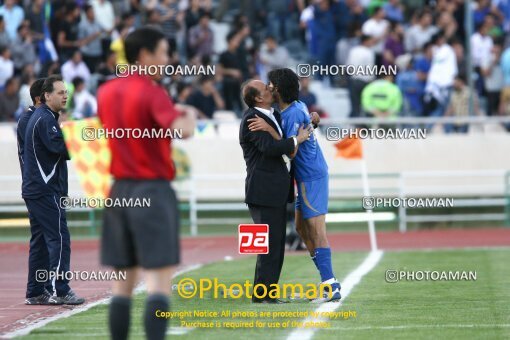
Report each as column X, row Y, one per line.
column 141, row 236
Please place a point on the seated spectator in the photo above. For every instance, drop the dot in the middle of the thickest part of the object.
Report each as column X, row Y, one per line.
column 35, row 18
column 361, row 55
column 423, row 61
column 67, row 36
column 89, row 32
column 377, row 27
column 4, row 36
column 412, row 88
column 193, row 14
column 6, row 66
column 230, row 69
column 191, row 17
column 482, row 9
column 201, row 38
column 27, row 79
column 170, row 20
column 104, row 14
column 153, row 19
column 505, row 66
column 446, row 22
column 344, row 45
column 481, row 47
column 354, row 15
column 417, row 35
column 23, row 48
column 504, row 105
column 305, row 95
column 493, row 76
column 75, row 67
column 85, row 104
column 459, row 105
column 393, row 46
column 460, row 56
column 206, row 98
column 117, row 45
column 9, row 101
column 440, row 78
column 493, row 23
column 182, row 91
column 13, row 16
column 273, row 56
column 382, row 98
column 107, row 69
column 394, row 11
column 105, row 17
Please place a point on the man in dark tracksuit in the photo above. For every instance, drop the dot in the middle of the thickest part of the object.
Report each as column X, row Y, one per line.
column 38, row 256
column 44, row 184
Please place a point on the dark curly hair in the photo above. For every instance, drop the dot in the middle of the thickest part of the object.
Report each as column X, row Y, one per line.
column 286, row 83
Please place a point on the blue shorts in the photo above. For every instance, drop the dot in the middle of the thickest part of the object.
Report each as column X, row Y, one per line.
column 312, row 199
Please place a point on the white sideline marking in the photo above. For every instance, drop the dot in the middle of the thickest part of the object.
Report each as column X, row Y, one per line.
column 26, row 330
column 504, row 325
column 348, row 284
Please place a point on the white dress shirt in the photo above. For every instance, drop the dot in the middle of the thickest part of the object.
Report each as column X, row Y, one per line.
column 270, row 114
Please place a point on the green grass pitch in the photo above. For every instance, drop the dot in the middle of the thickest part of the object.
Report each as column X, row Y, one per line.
column 404, row 310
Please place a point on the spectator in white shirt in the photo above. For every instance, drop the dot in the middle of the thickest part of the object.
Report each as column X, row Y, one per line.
column 273, row 56
column 494, row 81
column 419, row 34
column 90, row 31
column 481, row 46
column 75, row 67
column 441, row 77
column 361, row 55
column 377, row 27
column 85, row 104
column 104, row 14
column 23, row 48
column 6, row 65
column 105, row 17
column 13, row 16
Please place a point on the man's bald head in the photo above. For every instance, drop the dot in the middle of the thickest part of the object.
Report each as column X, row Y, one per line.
column 254, row 94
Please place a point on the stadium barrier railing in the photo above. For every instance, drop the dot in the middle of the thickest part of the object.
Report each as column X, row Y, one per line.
column 344, row 198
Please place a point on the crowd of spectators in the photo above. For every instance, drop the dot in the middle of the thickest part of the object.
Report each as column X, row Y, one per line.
column 426, row 39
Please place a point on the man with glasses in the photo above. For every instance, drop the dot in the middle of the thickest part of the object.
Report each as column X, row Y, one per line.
column 44, row 184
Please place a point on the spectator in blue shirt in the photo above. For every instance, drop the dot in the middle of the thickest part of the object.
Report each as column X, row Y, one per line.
column 393, row 10
column 13, row 16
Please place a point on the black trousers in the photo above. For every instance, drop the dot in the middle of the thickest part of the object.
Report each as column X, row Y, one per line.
column 50, row 246
column 269, row 266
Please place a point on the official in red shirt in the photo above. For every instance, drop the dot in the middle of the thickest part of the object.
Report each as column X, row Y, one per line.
column 132, row 106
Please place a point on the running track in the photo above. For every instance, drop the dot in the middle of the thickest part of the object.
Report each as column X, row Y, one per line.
column 84, row 257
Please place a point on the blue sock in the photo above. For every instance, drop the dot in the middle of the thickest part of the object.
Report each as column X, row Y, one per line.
column 323, row 258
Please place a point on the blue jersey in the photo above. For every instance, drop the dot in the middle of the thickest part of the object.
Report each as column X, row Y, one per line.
column 309, row 163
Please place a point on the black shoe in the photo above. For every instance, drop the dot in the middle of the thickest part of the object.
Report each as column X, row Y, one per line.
column 43, row 299
column 72, row 299
column 270, row 301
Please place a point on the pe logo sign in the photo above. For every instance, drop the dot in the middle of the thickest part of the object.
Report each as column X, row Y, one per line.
column 253, row 238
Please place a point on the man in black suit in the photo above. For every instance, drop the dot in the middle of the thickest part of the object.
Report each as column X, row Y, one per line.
column 268, row 182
